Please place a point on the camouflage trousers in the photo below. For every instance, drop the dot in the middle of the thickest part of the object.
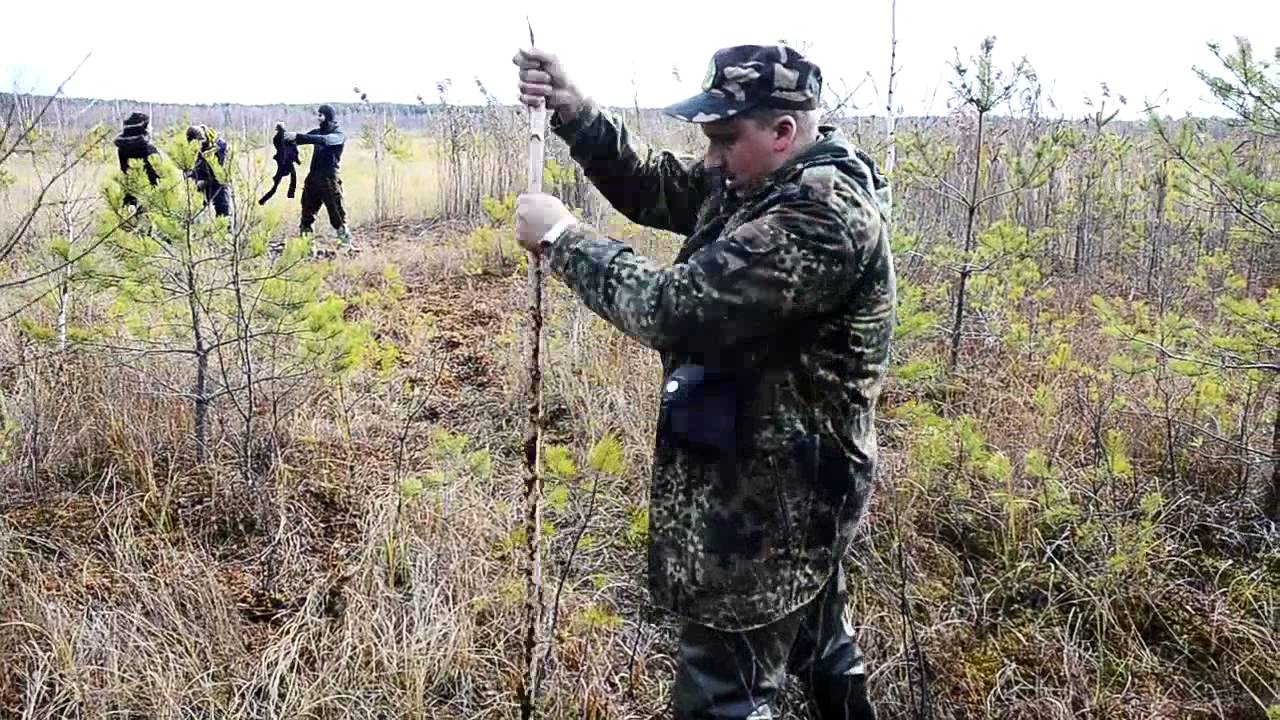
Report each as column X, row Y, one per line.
column 724, row 674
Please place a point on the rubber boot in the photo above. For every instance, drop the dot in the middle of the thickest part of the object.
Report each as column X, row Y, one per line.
column 346, row 243
column 840, row 697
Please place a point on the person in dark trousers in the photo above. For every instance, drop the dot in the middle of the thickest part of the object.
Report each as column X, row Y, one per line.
column 134, row 143
column 286, row 157
column 322, row 185
column 216, row 191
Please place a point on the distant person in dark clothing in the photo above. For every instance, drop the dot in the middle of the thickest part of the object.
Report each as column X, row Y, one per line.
column 322, row 185
column 134, row 143
column 286, row 157
column 215, row 190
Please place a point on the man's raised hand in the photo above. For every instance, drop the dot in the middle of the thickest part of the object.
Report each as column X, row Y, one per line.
column 543, row 77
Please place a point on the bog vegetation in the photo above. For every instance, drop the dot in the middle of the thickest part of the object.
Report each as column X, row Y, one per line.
column 239, row 488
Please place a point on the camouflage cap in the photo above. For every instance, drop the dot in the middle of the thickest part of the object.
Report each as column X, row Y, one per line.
column 744, row 77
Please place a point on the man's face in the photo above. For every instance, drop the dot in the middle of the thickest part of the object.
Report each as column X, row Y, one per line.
column 319, row 118
column 744, row 150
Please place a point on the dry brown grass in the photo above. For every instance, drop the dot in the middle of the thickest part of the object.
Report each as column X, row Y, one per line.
column 133, row 589
column 171, row 607
column 137, row 584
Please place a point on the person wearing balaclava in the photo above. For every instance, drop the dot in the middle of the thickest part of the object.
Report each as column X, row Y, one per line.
column 322, row 185
column 134, row 143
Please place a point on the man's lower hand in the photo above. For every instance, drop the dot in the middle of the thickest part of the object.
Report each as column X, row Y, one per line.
column 536, row 215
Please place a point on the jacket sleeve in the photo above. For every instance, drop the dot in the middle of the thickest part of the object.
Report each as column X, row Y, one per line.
column 801, row 257
column 318, row 138
column 153, row 176
column 653, row 187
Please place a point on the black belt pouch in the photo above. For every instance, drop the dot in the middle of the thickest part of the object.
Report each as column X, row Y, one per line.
column 699, row 409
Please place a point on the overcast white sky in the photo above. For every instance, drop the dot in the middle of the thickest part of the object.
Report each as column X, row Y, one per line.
column 272, row 52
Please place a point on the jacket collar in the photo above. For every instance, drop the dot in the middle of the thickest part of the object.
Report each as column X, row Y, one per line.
column 831, row 147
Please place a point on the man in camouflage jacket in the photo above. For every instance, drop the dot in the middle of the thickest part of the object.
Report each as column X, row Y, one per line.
column 773, row 325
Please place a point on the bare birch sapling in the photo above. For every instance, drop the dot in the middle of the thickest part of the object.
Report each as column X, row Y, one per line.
column 891, row 154
column 533, row 440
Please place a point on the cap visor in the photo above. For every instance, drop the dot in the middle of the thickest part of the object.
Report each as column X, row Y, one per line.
column 704, row 107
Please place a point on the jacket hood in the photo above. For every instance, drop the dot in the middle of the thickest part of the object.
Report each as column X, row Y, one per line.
column 207, row 136
column 834, row 149
column 831, row 149
column 124, row 140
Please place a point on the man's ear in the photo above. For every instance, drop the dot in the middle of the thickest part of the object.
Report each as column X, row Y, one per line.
column 785, row 130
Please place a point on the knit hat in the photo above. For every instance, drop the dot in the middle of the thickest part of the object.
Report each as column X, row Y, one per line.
column 327, row 111
column 137, row 121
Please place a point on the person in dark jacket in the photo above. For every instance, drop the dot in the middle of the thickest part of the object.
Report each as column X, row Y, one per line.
column 322, row 185
column 286, row 157
column 134, row 143
column 212, row 146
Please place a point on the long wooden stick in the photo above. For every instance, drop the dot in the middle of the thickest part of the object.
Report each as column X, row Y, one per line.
column 533, row 440
column 891, row 118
